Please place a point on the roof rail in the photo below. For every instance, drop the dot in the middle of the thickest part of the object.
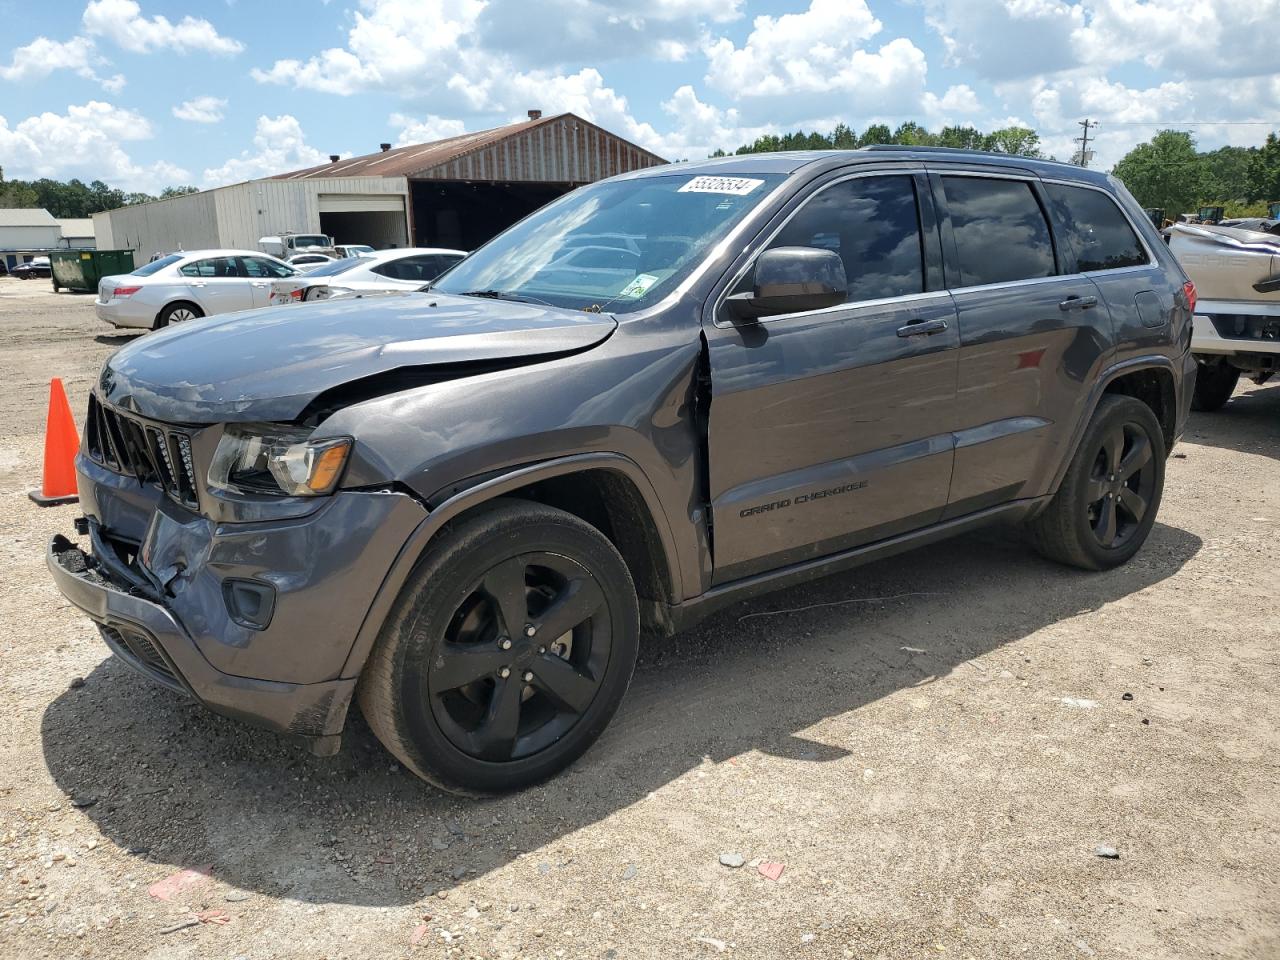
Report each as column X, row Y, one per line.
column 924, row 149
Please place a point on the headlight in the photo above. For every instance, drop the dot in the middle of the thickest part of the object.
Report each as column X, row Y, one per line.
column 265, row 458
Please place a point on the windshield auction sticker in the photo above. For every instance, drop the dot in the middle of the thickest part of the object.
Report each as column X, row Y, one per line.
column 638, row 286
column 734, row 186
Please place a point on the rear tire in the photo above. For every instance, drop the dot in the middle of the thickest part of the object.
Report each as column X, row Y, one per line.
column 457, row 688
column 1214, row 385
column 177, row 313
column 1107, row 503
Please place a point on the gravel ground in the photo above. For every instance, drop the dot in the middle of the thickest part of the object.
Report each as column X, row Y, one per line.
column 930, row 749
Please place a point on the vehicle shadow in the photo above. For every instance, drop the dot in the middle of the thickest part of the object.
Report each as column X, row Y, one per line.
column 178, row 786
column 117, row 339
column 1250, row 423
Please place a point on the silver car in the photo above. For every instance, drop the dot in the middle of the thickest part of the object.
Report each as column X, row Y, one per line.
column 387, row 271
column 183, row 286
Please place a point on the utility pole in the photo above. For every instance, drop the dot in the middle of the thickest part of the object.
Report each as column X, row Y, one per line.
column 1084, row 154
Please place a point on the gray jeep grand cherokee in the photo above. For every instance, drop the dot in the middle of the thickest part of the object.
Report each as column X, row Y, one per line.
column 658, row 394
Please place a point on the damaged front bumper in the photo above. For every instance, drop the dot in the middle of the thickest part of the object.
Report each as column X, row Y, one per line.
column 146, row 636
column 165, row 587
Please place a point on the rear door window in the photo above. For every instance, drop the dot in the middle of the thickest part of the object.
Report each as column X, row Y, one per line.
column 261, row 267
column 212, row 267
column 1000, row 231
column 874, row 225
column 1095, row 229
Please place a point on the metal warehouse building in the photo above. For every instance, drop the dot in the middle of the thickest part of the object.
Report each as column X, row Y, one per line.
column 457, row 192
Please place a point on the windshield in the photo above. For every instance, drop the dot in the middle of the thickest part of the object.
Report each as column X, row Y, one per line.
column 155, row 265
column 619, row 245
column 310, row 240
column 339, row 266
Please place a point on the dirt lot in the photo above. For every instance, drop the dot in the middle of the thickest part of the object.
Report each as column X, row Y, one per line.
column 934, row 770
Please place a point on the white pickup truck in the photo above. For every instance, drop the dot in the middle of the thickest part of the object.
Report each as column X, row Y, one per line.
column 1237, row 315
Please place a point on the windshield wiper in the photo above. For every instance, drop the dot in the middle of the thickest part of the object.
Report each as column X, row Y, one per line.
column 505, row 295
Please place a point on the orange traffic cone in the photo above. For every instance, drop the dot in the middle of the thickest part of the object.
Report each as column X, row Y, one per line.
column 60, row 445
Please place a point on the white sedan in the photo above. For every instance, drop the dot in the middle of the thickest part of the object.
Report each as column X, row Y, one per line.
column 387, row 271
column 306, row 262
column 196, row 283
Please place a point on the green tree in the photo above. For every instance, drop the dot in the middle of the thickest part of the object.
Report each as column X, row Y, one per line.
column 1017, row 141
column 962, row 138
column 843, row 138
column 1226, row 173
column 168, row 192
column 1165, row 173
column 876, row 133
column 1263, row 176
column 911, row 134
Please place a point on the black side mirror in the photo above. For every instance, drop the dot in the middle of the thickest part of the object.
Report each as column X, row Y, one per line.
column 791, row 280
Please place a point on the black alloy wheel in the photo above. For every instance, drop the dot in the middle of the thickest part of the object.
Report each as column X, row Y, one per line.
column 1120, row 488
column 1106, row 504
column 522, row 659
column 508, row 652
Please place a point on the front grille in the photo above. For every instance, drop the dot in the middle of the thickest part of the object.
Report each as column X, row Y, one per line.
column 151, row 453
column 140, row 648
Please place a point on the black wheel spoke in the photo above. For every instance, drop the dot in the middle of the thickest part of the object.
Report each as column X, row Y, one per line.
column 1106, row 526
column 457, row 664
column 1133, row 503
column 495, row 737
column 1113, row 449
column 1138, row 457
column 576, row 602
column 506, row 586
column 1095, row 490
column 560, row 680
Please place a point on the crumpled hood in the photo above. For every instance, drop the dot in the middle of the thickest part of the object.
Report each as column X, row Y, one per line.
column 268, row 364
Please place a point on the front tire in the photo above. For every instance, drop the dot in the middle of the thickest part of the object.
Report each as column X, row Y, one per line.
column 507, row 653
column 1214, row 385
column 1107, row 503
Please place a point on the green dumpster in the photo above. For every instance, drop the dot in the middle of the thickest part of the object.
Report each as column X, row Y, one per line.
column 80, row 270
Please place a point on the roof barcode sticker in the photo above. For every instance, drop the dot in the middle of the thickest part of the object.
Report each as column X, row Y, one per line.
column 735, row 186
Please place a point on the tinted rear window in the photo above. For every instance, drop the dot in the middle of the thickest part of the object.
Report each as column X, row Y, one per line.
column 1001, row 234
column 1095, row 229
column 150, row 268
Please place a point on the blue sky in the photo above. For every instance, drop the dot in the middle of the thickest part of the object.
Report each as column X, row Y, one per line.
column 144, row 93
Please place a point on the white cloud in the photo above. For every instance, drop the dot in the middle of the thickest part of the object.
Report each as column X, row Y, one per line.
column 122, row 22
column 201, row 110
column 1001, row 39
column 84, row 142
column 114, row 84
column 425, row 130
column 1005, row 39
column 43, row 56
column 812, row 64
column 553, row 32
column 279, row 145
column 398, row 45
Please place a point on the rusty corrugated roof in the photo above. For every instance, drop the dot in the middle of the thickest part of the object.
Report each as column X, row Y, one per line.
column 421, row 159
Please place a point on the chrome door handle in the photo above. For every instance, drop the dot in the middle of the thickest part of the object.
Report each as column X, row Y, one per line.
column 922, row 328
column 198, row 283
column 1078, row 303
column 259, row 283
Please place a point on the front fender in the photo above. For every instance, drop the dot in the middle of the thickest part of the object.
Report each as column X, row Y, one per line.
column 489, row 489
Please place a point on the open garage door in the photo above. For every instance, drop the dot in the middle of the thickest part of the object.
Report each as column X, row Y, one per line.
column 377, row 219
column 462, row 216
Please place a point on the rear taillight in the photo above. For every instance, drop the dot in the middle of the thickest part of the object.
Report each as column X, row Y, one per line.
column 297, row 294
column 125, row 291
column 1189, row 289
